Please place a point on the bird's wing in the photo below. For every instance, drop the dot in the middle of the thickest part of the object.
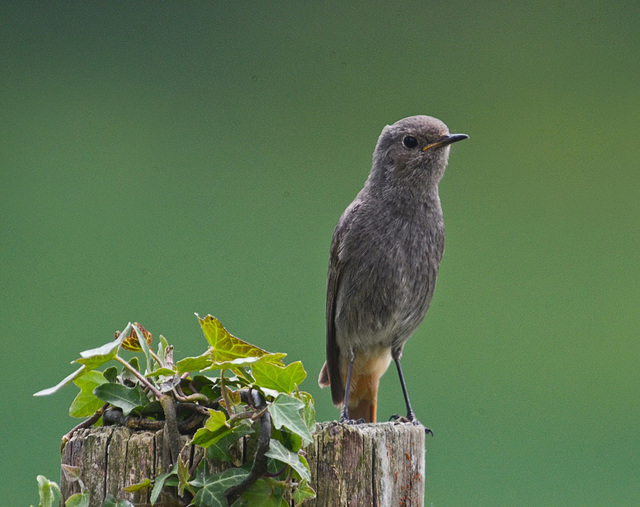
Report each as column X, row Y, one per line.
column 336, row 263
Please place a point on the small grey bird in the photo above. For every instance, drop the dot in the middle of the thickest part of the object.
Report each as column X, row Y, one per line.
column 384, row 260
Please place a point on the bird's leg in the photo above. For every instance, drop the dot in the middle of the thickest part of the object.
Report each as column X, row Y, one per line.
column 411, row 416
column 344, row 416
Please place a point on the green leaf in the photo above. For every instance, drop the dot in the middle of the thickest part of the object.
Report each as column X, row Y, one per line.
column 214, row 487
column 121, row 396
column 183, row 477
column 110, row 501
column 139, row 485
column 279, row 452
column 283, row 379
column 127, row 375
column 93, row 358
column 189, row 364
column 111, row 374
column 215, row 428
column 78, row 500
column 72, row 473
column 159, row 483
column 145, row 347
column 303, row 492
column 226, row 347
column 239, row 362
column 161, row 371
column 309, row 411
column 216, row 420
column 219, row 450
column 287, row 411
column 86, row 403
column 67, row 380
column 162, row 346
column 48, row 492
column 261, row 494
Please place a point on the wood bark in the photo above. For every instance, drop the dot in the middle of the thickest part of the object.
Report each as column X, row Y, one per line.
column 351, row 465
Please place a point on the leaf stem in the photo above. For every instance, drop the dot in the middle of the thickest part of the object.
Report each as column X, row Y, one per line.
column 140, row 377
column 225, row 397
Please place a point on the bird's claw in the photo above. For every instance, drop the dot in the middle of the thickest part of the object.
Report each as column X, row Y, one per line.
column 412, row 419
column 346, row 420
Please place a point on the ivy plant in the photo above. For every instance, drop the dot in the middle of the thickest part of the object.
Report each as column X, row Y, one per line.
column 232, row 390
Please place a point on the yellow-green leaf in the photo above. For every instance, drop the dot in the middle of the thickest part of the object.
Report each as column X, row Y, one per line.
column 213, row 430
column 303, row 492
column 139, row 485
column 86, row 403
column 283, row 379
column 226, row 347
column 198, row 363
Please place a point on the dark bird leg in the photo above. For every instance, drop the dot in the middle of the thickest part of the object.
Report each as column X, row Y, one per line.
column 344, row 417
column 411, row 416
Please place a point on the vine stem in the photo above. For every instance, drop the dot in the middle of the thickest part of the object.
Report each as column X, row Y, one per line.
column 84, row 424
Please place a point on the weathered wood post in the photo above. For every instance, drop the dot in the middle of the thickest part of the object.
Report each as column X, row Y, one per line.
column 351, row 465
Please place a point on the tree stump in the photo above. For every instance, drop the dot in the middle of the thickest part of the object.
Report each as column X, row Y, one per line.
column 351, row 465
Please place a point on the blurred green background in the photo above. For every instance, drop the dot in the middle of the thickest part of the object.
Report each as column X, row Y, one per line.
column 161, row 158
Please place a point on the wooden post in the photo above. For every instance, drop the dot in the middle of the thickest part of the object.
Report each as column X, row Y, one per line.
column 351, row 465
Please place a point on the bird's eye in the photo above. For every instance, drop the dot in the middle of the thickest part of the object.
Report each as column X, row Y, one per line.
column 409, row 142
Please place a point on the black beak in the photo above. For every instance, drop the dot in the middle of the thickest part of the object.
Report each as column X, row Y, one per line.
column 451, row 138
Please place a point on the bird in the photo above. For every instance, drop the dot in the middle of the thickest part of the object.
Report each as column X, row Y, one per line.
column 384, row 259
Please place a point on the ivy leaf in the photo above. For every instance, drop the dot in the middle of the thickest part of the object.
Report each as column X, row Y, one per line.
column 309, row 411
column 166, row 372
column 139, row 485
column 159, row 483
column 47, row 490
column 279, row 452
column 93, row 358
column 261, row 494
column 110, row 501
column 239, row 362
column 127, row 375
column 283, row 379
column 67, row 380
column 162, row 346
column 303, row 492
column 287, row 411
column 79, row 500
column 72, row 474
column 219, row 450
column 189, row 364
column 214, row 429
column 183, row 477
column 121, row 396
column 225, row 346
column 214, row 487
column 144, row 342
column 111, row 374
column 86, row 403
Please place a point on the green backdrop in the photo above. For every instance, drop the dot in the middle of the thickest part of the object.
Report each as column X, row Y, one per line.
column 162, row 158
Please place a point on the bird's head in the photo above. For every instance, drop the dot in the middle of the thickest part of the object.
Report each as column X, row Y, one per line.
column 414, row 150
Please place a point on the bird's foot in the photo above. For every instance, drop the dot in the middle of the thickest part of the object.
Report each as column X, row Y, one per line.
column 346, row 420
column 412, row 419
